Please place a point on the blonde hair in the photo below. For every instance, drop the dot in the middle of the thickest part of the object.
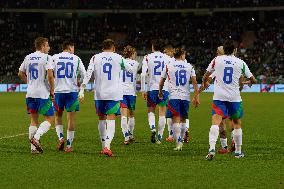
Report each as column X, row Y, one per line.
column 128, row 51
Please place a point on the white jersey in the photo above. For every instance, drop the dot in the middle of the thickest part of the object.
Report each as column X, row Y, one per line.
column 227, row 71
column 129, row 79
column 107, row 67
column 154, row 64
column 35, row 66
column 179, row 73
column 67, row 66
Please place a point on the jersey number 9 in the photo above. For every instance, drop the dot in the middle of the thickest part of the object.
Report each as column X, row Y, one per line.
column 107, row 69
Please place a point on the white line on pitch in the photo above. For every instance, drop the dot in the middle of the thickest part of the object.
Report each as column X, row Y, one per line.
column 21, row 134
column 13, row 136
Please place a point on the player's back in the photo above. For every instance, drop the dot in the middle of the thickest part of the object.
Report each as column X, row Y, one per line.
column 179, row 73
column 156, row 63
column 66, row 69
column 128, row 78
column 107, row 68
column 227, row 72
column 35, row 66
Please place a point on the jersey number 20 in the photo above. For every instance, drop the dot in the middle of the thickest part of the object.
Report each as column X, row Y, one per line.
column 65, row 70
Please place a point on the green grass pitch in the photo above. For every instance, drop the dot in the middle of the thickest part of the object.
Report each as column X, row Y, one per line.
column 143, row 164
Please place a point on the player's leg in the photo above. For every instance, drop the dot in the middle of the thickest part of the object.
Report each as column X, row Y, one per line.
column 177, row 132
column 170, row 138
column 152, row 98
column 70, row 130
column 32, row 130
column 59, row 103
column 162, row 114
column 236, row 113
column 72, row 106
column 230, row 123
column 124, row 124
column 162, row 123
column 184, row 108
column 46, row 109
column 99, row 105
column 131, row 124
column 112, row 110
column 32, row 109
column 186, row 135
column 131, row 120
column 59, row 130
column 223, row 138
column 219, row 110
column 238, row 138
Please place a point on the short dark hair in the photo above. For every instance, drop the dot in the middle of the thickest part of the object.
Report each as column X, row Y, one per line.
column 108, row 44
column 67, row 44
column 178, row 52
column 228, row 47
column 157, row 44
column 39, row 42
column 168, row 47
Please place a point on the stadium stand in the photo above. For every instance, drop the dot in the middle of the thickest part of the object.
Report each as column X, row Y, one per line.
column 259, row 34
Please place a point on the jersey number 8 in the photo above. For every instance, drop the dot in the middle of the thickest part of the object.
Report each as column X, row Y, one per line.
column 228, row 75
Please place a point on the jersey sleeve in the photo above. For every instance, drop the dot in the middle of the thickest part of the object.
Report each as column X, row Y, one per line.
column 165, row 72
column 211, row 67
column 81, row 68
column 23, row 65
column 212, row 76
column 192, row 73
column 90, row 71
column 144, row 73
column 246, row 71
column 48, row 63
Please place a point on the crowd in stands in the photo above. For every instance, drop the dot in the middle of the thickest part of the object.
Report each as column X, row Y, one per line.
column 137, row 4
column 260, row 43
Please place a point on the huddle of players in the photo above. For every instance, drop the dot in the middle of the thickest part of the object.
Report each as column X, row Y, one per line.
column 164, row 82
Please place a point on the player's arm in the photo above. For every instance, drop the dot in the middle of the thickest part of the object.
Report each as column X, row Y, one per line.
column 241, row 80
column 22, row 75
column 206, row 77
column 206, row 80
column 22, row 72
column 81, row 72
column 162, row 82
column 206, row 84
column 50, row 78
column 87, row 78
column 126, row 66
column 195, row 101
column 49, row 66
column 247, row 73
column 143, row 77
